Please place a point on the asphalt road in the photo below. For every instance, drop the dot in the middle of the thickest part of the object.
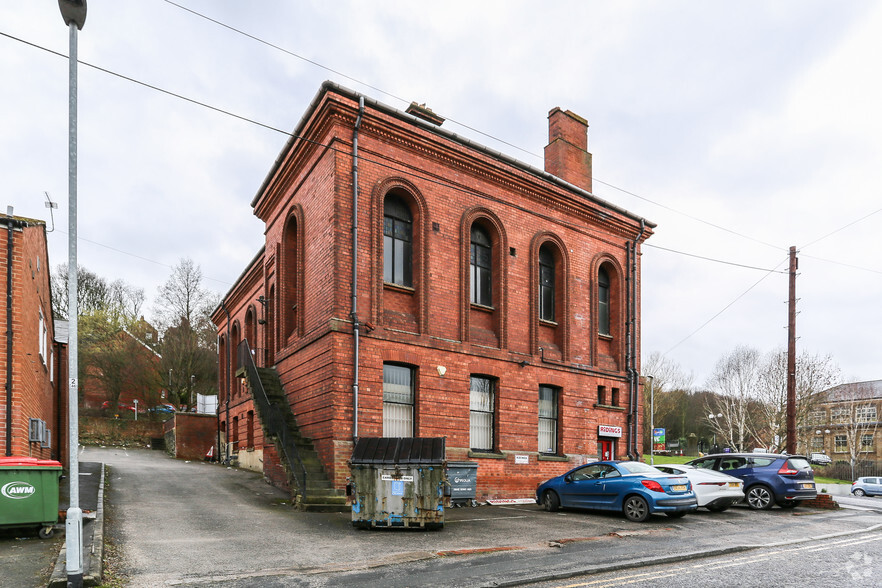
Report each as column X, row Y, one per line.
column 854, row 561
column 195, row 524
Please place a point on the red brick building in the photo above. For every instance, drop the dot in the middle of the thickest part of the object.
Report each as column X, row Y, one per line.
column 488, row 301
column 33, row 348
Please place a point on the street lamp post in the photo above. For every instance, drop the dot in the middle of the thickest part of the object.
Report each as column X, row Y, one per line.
column 73, row 12
column 712, row 418
column 651, row 421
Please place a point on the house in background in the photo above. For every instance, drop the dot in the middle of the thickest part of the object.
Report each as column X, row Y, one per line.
column 126, row 365
column 33, row 347
column 845, row 423
column 416, row 283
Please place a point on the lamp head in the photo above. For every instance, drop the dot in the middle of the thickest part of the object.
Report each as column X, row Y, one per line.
column 73, row 11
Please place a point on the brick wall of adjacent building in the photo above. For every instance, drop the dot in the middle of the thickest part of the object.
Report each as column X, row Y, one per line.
column 36, row 381
column 304, row 273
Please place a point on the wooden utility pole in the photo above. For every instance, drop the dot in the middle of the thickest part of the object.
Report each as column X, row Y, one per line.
column 791, row 355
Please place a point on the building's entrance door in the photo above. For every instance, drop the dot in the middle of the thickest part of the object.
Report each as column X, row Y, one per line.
column 606, row 449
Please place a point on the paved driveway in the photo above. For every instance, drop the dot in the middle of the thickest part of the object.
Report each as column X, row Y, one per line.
column 192, row 523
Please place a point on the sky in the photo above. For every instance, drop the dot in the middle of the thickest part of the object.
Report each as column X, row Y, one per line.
column 739, row 128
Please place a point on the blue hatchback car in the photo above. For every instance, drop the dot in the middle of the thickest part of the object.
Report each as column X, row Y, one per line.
column 634, row 488
column 769, row 478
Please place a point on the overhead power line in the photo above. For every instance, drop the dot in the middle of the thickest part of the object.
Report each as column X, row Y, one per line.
column 831, row 233
column 454, row 121
column 339, row 73
column 397, row 169
column 714, row 260
column 725, row 308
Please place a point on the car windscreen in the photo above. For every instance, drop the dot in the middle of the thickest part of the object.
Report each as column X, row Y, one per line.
column 636, row 467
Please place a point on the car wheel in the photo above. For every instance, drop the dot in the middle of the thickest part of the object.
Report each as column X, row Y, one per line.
column 787, row 504
column 759, row 497
column 717, row 508
column 676, row 515
column 550, row 501
column 636, row 509
column 859, row 492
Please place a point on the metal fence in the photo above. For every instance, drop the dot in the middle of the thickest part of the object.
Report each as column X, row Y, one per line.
column 842, row 470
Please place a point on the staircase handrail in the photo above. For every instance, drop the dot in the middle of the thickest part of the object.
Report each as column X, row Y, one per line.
column 274, row 420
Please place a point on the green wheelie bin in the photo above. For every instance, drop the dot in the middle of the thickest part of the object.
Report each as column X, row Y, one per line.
column 29, row 493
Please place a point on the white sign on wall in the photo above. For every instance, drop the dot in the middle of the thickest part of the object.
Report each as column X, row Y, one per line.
column 609, row 431
column 522, row 459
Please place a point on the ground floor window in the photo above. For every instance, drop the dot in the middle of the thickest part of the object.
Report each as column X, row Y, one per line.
column 249, row 430
column 840, row 444
column 548, row 400
column 867, row 443
column 482, row 402
column 817, row 444
column 398, row 400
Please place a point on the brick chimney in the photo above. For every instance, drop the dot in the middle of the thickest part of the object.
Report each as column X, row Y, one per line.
column 566, row 155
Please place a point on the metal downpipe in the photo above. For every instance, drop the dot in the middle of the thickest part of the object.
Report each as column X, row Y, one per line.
column 633, row 373
column 9, row 333
column 356, row 326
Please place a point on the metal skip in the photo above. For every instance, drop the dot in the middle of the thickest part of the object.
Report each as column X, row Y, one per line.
column 397, row 482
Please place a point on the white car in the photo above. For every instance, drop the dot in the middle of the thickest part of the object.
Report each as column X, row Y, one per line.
column 715, row 491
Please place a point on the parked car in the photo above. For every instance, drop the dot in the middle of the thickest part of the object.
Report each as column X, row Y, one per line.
column 715, row 491
column 634, row 488
column 162, row 408
column 867, row 486
column 769, row 478
column 821, row 459
column 121, row 406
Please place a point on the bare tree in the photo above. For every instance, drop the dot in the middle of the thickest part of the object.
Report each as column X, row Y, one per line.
column 666, row 373
column 814, row 373
column 670, row 388
column 189, row 347
column 95, row 294
column 736, row 379
column 183, row 298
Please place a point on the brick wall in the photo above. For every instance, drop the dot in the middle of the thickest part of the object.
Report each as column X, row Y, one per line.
column 35, row 378
column 431, row 326
column 194, row 435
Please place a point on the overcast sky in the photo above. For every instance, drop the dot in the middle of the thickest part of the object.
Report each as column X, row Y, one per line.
column 740, row 128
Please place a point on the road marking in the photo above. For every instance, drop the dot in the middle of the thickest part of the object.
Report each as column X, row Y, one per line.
column 742, row 560
column 447, row 522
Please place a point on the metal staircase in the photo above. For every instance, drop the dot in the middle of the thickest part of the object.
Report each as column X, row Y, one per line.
column 311, row 490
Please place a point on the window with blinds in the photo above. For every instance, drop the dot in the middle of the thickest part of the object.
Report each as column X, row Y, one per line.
column 482, row 402
column 398, row 400
column 548, row 398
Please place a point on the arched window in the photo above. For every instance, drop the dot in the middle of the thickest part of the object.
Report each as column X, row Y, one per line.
column 546, row 283
column 224, row 371
column 603, row 302
column 481, row 262
column 249, row 328
column 290, row 289
column 397, row 242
